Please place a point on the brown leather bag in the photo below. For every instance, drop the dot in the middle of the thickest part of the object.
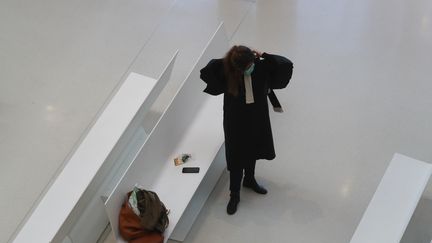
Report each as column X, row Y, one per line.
column 135, row 229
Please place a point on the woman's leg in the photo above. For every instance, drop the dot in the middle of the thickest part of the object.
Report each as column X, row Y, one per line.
column 250, row 171
column 236, row 176
column 249, row 180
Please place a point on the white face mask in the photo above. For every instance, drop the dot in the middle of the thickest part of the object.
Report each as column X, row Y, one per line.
column 249, row 71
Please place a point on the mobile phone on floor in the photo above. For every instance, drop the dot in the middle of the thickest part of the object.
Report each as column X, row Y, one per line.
column 190, row 169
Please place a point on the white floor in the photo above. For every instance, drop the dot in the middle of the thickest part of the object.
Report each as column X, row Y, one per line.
column 361, row 91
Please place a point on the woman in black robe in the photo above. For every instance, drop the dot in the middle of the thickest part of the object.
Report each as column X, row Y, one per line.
column 246, row 78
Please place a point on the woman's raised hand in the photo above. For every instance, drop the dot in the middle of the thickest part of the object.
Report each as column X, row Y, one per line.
column 257, row 53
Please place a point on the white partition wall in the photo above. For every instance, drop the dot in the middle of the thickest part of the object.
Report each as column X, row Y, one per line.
column 394, row 201
column 191, row 124
column 73, row 200
column 92, row 220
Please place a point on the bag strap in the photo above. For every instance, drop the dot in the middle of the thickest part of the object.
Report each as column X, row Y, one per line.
column 274, row 101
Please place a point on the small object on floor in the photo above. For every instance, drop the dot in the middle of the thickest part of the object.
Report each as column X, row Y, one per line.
column 181, row 159
column 255, row 187
column 190, row 169
column 232, row 205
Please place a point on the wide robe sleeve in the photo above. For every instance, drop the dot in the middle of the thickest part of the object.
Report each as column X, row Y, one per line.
column 212, row 75
column 280, row 70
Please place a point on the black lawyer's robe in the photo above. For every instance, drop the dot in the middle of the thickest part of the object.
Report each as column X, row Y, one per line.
column 248, row 134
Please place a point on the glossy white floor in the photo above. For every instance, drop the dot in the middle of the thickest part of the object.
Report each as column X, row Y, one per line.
column 361, row 92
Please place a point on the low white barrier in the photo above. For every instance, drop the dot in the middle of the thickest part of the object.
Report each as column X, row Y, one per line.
column 394, row 201
column 191, row 124
column 118, row 124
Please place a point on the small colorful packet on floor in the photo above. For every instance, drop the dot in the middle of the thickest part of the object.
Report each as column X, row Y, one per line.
column 181, row 159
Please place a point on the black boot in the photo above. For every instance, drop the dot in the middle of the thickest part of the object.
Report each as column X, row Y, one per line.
column 249, row 179
column 232, row 204
column 252, row 184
